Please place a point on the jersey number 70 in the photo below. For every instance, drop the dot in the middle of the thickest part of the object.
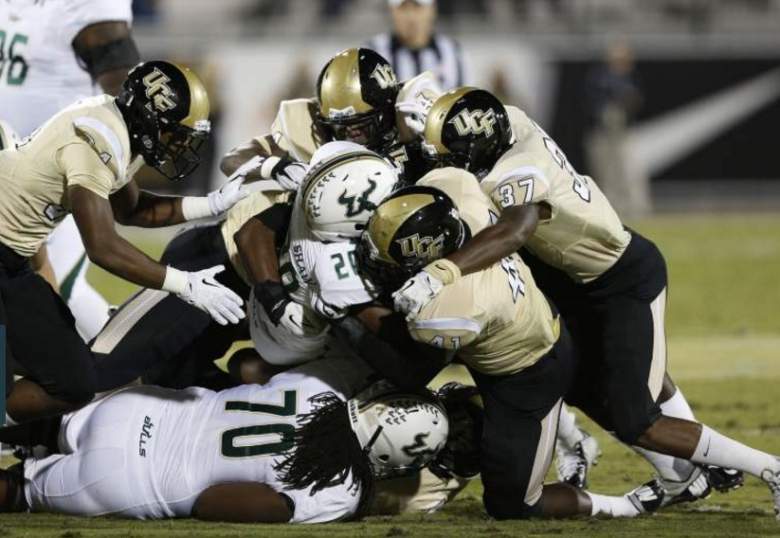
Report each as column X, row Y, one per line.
column 283, row 430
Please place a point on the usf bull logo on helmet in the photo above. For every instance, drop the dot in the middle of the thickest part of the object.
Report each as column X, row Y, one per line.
column 356, row 92
column 342, row 189
column 467, row 128
column 166, row 109
column 410, row 229
column 398, row 431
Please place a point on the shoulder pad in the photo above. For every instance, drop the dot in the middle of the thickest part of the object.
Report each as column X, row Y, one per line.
column 105, row 140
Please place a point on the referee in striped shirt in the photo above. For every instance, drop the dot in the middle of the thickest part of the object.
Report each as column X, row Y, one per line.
column 413, row 46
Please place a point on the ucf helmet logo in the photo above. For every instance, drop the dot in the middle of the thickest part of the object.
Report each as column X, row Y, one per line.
column 423, row 248
column 384, row 76
column 158, row 91
column 358, row 204
column 475, row 122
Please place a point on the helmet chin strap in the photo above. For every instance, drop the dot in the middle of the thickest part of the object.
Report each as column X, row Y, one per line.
column 373, row 439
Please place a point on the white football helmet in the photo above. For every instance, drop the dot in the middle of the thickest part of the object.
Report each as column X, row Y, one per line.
column 398, row 431
column 8, row 137
column 343, row 187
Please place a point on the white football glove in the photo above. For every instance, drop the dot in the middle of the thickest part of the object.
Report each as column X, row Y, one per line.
column 325, row 309
column 227, row 196
column 416, row 292
column 416, row 99
column 292, row 319
column 203, row 291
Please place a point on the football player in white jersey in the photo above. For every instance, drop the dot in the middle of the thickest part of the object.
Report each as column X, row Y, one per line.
column 82, row 161
column 57, row 52
column 294, row 450
column 609, row 281
column 315, row 277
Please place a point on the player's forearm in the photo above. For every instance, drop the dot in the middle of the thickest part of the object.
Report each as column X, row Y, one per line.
column 154, row 211
column 515, row 226
column 117, row 256
column 385, row 344
column 241, row 154
column 256, row 245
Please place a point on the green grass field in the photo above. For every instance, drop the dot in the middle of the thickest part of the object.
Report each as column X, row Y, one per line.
column 724, row 342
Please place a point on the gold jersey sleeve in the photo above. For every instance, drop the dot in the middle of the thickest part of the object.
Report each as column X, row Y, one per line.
column 496, row 319
column 84, row 145
column 422, row 492
column 584, row 235
column 239, row 214
column 463, row 188
column 294, row 130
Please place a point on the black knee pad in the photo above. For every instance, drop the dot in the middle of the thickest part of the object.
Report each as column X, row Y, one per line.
column 77, row 387
column 628, row 428
column 510, row 507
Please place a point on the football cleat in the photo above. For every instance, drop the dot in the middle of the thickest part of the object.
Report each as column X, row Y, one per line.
column 694, row 488
column 773, row 481
column 574, row 463
column 725, row 480
column 647, row 498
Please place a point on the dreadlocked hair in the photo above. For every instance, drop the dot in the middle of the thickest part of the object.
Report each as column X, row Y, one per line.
column 326, row 452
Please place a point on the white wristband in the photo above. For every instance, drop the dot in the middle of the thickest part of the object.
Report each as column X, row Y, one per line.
column 175, row 281
column 268, row 166
column 195, row 207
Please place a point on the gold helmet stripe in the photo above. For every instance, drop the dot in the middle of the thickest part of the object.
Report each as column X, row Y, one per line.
column 390, row 216
column 199, row 98
column 434, row 124
column 340, row 88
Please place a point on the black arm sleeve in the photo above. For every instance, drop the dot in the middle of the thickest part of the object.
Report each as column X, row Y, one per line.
column 407, row 364
column 277, row 219
column 114, row 55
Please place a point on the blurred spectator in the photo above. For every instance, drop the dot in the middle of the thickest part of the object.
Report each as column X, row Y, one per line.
column 613, row 100
column 413, row 46
column 144, row 9
column 331, row 9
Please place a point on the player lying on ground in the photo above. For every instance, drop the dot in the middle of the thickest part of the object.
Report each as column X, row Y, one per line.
column 609, row 281
column 500, row 325
column 424, row 492
column 290, row 451
column 82, row 161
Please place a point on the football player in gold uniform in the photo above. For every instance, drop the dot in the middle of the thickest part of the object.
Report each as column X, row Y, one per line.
column 609, row 281
column 358, row 99
column 82, row 162
column 498, row 323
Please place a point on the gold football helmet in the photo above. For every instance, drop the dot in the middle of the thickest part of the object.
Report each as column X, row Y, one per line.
column 356, row 92
column 467, row 128
column 414, row 226
column 166, row 109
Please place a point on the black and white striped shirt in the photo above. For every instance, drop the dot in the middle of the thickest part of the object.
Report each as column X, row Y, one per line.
column 442, row 56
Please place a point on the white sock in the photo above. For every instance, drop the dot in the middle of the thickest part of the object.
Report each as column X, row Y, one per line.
column 568, row 432
column 611, row 506
column 677, row 406
column 717, row 449
column 668, row 467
